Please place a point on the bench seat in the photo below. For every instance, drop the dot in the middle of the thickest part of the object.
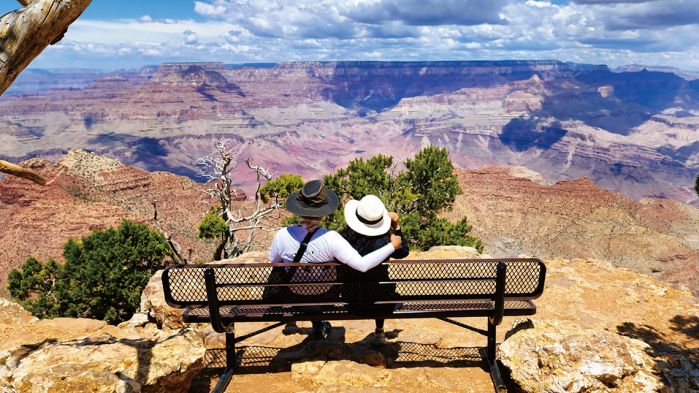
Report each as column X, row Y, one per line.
column 451, row 309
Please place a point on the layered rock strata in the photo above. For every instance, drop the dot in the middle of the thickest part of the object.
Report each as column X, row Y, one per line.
column 514, row 212
column 86, row 192
column 629, row 132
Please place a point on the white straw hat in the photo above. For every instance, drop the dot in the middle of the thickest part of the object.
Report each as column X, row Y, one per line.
column 368, row 216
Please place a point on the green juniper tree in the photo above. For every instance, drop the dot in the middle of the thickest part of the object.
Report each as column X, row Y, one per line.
column 427, row 188
column 103, row 276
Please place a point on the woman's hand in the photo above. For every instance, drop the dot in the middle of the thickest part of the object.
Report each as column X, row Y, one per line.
column 396, row 242
column 394, row 221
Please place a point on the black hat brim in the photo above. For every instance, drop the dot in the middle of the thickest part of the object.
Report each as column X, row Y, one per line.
column 293, row 205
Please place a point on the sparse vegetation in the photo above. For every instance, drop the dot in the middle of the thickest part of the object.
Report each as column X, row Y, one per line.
column 103, row 276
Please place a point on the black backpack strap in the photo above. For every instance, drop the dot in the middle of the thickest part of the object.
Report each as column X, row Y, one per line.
column 304, row 245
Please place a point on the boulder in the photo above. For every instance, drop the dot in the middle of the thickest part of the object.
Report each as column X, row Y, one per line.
column 70, row 355
column 154, row 307
column 557, row 357
column 14, row 314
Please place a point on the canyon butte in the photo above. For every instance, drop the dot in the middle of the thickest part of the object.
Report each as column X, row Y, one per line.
column 631, row 131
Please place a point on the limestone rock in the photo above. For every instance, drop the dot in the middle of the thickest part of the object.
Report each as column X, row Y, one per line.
column 306, row 369
column 342, row 388
column 342, row 351
column 153, row 304
column 138, row 320
column 14, row 314
column 71, row 355
column 352, row 374
column 557, row 357
column 436, row 380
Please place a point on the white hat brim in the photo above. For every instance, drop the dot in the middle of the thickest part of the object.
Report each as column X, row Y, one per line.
column 377, row 229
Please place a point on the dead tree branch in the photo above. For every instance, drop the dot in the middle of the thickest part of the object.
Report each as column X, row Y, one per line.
column 217, row 169
column 18, row 171
column 26, row 32
column 172, row 244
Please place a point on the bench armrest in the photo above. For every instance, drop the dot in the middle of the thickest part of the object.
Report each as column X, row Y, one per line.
column 214, row 311
column 500, row 281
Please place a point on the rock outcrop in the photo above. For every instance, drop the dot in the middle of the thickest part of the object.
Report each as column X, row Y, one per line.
column 561, row 357
column 78, row 355
column 85, row 192
column 597, row 329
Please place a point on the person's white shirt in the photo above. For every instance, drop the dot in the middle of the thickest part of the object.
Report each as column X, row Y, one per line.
column 325, row 246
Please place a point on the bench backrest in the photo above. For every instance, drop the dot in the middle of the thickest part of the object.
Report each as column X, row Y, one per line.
column 332, row 283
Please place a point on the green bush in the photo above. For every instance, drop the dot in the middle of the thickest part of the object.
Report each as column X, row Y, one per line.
column 212, row 226
column 418, row 194
column 103, row 276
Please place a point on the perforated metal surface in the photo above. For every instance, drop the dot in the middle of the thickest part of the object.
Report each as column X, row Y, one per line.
column 340, row 312
column 274, row 284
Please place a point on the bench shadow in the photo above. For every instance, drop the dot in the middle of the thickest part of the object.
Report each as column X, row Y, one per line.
column 260, row 360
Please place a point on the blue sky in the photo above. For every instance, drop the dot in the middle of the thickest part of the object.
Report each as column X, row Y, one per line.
column 131, row 33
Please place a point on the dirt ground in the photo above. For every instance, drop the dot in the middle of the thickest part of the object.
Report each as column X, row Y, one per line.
column 433, row 356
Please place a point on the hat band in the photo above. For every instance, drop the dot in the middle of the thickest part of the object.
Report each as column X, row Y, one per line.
column 309, row 204
column 365, row 221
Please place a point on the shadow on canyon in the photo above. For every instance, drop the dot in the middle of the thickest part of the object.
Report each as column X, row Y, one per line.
column 256, row 359
column 382, row 92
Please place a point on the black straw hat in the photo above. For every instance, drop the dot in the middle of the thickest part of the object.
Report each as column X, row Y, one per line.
column 312, row 201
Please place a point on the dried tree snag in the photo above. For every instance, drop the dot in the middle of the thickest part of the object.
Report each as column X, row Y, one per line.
column 18, row 171
column 26, row 32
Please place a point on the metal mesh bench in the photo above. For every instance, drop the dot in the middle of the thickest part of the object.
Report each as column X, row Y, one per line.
column 223, row 294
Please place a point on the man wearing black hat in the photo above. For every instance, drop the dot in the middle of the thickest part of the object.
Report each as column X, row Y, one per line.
column 309, row 243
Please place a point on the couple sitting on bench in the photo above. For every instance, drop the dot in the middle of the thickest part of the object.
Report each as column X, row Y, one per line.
column 364, row 243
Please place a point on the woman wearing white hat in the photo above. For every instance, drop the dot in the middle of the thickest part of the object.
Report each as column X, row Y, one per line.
column 367, row 230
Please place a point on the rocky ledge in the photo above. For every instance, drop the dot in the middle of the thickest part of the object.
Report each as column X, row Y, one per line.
column 597, row 329
column 86, row 355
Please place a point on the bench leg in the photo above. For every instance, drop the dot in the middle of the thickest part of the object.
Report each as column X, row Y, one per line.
column 490, row 358
column 231, row 362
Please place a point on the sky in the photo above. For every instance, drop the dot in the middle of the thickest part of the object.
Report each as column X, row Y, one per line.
column 129, row 34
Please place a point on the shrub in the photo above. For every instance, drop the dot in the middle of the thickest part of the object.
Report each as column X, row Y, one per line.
column 103, row 276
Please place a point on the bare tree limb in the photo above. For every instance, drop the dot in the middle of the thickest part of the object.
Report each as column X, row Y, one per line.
column 18, row 171
column 172, row 244
column 217, row 168
column 26, row 32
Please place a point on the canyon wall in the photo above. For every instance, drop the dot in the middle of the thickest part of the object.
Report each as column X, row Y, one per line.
column 629, row 132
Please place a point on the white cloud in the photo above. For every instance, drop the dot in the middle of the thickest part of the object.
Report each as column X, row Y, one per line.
column 236, row 31
column 190, row 37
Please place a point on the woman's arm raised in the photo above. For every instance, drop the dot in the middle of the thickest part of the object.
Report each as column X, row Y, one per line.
column 344, row 252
